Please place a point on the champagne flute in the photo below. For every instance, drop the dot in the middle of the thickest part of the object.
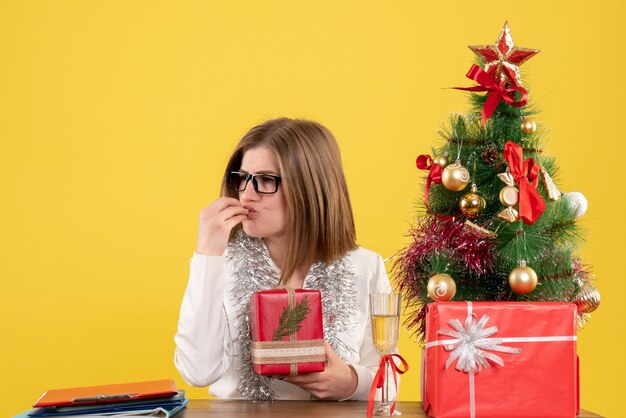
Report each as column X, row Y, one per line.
column 385, row 312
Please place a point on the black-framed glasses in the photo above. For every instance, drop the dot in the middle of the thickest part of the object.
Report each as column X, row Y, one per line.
column 262, row 183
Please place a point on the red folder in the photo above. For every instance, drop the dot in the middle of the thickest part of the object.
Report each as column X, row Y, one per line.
column 107, row 393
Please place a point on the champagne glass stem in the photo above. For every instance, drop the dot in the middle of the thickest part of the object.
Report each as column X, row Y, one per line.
column 385, row 394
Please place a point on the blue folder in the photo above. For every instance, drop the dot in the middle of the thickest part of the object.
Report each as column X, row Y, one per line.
column 166, row 407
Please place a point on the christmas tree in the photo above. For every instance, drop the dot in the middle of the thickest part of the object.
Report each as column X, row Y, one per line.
column 495, row 226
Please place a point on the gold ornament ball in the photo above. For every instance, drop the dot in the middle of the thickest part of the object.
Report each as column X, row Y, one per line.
column 472, row 204
column 529, row 126
column 523, row 280
column 588, row 299
column 455, row 177
column 441, row 160
column 441, row 287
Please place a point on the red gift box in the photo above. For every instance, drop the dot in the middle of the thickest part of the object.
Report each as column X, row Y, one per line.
column 287, row 332
column 500, row 359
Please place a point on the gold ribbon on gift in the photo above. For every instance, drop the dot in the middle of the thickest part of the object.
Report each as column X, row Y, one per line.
column 289, row 352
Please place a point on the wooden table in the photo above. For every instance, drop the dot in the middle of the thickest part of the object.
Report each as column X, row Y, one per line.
column 299, row 409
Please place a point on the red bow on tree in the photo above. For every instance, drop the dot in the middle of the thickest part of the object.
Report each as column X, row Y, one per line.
column 425, row 162
column 379, row 379
column 496, row 92
column 525, row 173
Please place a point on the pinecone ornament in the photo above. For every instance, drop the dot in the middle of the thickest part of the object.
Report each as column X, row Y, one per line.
column 490, row 156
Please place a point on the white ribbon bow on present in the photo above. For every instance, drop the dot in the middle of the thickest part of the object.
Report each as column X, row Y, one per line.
column 472, row 343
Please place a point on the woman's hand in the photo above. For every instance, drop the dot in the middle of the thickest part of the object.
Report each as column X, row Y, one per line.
column 216, row 222
column 337, row 381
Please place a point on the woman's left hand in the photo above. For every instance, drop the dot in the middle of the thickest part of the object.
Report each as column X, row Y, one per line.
column 337, row 381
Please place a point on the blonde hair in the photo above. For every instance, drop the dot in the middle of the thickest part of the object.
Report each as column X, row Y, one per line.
column 320, row 224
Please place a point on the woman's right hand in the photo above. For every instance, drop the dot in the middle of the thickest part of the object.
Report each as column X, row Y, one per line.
column 216, row 222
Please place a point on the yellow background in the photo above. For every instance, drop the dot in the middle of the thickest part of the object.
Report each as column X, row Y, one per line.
column 117, row 117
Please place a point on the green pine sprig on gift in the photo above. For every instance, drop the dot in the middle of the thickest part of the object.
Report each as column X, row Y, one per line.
column 291, row 320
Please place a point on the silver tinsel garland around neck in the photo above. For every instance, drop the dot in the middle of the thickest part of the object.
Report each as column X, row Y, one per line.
column 253, row 271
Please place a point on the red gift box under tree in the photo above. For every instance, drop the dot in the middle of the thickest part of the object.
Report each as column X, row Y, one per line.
column 500, row 359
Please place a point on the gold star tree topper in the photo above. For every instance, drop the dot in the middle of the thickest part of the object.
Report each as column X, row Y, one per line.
column 503, row 58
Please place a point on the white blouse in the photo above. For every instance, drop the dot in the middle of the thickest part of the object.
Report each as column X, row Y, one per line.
column 206, row 348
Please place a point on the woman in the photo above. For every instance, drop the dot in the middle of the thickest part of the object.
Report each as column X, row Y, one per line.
column 284, row 219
